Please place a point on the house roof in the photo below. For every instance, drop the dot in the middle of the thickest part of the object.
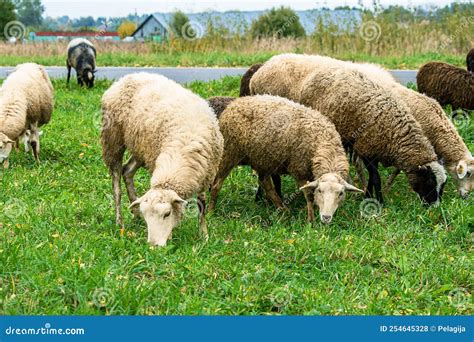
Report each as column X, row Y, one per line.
column 151, row 16
column 76, row 34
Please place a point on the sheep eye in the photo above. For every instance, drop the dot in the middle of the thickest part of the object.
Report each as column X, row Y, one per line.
column 167, row 214
column 341, row 193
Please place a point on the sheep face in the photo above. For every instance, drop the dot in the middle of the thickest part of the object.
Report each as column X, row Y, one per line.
column 428, row 182
column 463, row 174
column 6, row 145
column 162, row 211
column 329, row 192
column 87, row 76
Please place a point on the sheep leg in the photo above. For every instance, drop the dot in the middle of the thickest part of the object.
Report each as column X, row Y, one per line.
column 68, row 71
column 309, row 196
column 215, row 188
column 359, row 166
column 375, row 184
column 35, row 140
column 276, row 182
column 267, row 185
column 202, row 215
column 128, row 173
column 391, row 179
column 116, row 176
column 227, row 164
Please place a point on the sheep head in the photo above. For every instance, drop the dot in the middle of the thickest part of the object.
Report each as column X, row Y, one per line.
column 162, row 210
column 463, row 174
column 428, row 182
column 329, row 192
column 6, row 145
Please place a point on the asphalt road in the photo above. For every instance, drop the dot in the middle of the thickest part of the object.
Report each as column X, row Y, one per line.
column 183, row 75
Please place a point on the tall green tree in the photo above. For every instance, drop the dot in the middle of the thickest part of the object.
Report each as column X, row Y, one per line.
column 278, row 22
column 7, row 14
column 30, row 12
column 178, row 24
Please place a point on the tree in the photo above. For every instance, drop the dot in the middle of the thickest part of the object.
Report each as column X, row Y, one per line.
column 126, row 29
column 7, row 14
column 278, row 22
column 179, row 23
column 29, row 12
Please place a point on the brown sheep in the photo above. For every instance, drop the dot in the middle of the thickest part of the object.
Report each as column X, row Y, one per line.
column 447, row 84
column 278, row 136
column 245, row 81
column 470, row 60
column 218, row 104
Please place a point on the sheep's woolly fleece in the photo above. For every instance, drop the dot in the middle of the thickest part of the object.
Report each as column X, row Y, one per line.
column 435, row 124
column 169, row 129
column 447, row 84
column 366, row 115
column 275, row 136
column 26, row 97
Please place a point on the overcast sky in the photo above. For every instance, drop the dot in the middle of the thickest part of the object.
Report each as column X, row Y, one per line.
column 116, row 8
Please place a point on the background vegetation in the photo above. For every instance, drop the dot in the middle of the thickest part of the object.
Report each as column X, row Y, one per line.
column 394, row 36
column 61, row 252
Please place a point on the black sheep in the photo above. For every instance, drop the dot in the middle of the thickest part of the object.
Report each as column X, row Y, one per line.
column 81, row 56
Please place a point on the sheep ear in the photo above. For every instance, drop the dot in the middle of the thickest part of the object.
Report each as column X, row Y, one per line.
column 461, row 169
column 352, row 188
column 310, row 185
column 135, row 203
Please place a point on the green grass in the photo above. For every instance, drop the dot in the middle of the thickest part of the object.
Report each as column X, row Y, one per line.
column 228, row 59
column 61, row 252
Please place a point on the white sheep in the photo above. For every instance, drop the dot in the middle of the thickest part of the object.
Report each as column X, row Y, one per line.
column 171, row 132
column 26, row 104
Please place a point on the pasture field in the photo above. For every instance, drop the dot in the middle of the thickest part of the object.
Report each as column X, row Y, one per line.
column 61, row 252
column 212, row 55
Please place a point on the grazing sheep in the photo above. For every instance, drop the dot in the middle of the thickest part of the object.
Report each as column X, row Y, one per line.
column 369, row 119
column 447, row 84
column 245, row 81
column 440, row 131
column 171, row 132
column 470, row 60
column 277, row 136
column 26, row 104
column 218, row 104
column 81, row 55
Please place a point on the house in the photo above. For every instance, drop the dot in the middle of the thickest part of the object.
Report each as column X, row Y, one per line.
column 153, row 29
column 58, row 36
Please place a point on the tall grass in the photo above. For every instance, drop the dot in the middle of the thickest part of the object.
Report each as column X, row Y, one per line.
column 395, row 33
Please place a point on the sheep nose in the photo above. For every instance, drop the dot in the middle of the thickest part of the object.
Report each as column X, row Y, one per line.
column 326, row 218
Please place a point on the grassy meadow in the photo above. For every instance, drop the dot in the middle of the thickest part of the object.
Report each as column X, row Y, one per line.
column 61, row 252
